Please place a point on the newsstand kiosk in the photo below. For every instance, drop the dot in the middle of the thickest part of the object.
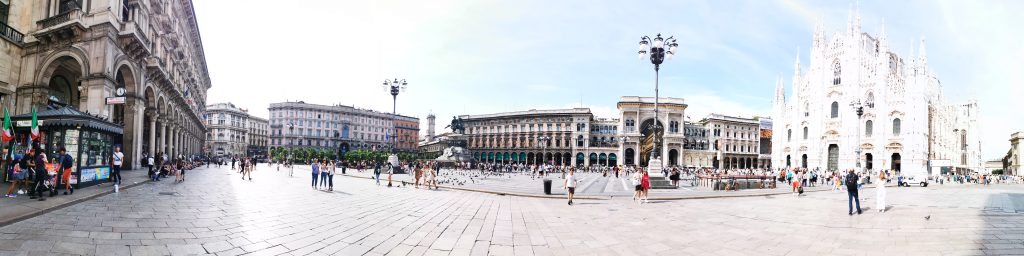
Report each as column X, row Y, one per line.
column 89, row 139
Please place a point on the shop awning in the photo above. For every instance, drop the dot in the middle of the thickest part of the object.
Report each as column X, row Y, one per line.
column 66, row 116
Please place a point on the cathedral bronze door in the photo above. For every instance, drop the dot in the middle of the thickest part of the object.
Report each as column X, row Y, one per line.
column 833, row 157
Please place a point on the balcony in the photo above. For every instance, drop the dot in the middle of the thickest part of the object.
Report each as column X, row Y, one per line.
column 61, row 26
column 11, row 34
column 133, row 38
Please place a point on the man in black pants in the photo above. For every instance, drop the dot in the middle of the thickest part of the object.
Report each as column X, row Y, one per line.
column 851, row 190
column 41, row 174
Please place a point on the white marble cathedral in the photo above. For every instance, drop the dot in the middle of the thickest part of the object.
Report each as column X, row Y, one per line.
column 907, row 124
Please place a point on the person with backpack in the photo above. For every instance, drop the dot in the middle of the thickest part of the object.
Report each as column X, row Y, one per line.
column 64, row 172
column 376, row 173
column 851, row 190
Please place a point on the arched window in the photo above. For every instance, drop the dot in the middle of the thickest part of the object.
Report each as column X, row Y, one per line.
column 896, row 126
column 835, row 109
column 871, row 100
column 807, row 109
column 836, row 80
column 868, row 127
column 789, row 135
column 805, row 132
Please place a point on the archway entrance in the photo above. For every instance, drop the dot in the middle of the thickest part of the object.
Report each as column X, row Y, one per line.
column 788, row 161
column 895, row 166
column 580, row 158
column 630, row 154
column 833, row 157
column 612, row 161
column 673, row 156
column 869, row 161
column 803, row 161
column 593, row 159
column 649, row 132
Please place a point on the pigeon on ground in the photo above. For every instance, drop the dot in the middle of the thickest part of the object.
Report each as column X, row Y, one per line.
column 929, row 217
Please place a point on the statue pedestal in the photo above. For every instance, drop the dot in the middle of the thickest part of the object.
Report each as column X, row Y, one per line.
column 654, row 168
column 393, row 160
column 658, row 179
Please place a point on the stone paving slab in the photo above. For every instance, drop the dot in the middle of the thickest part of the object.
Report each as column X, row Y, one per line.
column 21, row 207
column 215, row 212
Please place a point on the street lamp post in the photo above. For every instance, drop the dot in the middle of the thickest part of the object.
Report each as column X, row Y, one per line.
column 859, row 108
column 544, row 148
column 394, row 86
column 658, row 54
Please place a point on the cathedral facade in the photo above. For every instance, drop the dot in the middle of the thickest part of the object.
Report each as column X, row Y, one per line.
column 904, row 123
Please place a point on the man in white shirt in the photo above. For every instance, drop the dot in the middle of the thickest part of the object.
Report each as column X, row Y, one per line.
column 570, row 183
column 118, row 159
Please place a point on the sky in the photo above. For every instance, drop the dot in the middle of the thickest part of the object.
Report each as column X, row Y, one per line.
column 478, row 57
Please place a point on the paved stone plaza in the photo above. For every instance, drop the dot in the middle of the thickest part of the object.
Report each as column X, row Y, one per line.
column 214, row 212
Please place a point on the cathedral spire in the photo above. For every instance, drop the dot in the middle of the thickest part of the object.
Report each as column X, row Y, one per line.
column 856, row 22
column 849, row 21
column 819, row 32
column 921, row 53
column 883, row 40
column 796, row 64
column 780, row 92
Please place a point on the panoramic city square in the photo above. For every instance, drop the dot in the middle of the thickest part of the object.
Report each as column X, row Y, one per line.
column 398, row 127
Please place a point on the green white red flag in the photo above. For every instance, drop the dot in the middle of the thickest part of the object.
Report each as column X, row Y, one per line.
column 8, row 133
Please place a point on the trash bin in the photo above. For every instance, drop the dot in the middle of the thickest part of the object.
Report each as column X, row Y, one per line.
column 547, row 186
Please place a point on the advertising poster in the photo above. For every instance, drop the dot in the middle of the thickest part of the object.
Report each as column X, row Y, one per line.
column 102, row 173
column 88, row 174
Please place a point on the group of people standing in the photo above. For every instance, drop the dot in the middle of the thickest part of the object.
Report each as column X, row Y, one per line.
column 325, row 170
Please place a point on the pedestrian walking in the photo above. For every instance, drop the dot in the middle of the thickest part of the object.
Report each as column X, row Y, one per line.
column 880, row 192
column 64, row 171
column 851, row 189
column 376, row 173
column 570, row 184
column 115, row 167
column 246, row 167
column 637, row 187
column 41, row 175
column 645, row 181
column 330, row 177
column 316, row 173
column 391, row 171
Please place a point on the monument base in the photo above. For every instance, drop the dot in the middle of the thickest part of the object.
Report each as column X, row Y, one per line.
column 393, row 160
column 658, row 179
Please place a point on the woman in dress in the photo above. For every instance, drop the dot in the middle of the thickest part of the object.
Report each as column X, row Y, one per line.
column 880, row 192
column 646, row 183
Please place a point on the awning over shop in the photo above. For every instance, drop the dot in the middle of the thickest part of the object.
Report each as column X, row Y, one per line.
column 66, row 116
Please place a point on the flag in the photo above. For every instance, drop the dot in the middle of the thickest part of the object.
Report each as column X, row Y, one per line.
column 35, row 125
column 8, row 133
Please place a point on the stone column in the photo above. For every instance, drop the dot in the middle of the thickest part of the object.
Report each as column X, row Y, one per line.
column 135, row 133
column 152, row 135
column 163, row 136
column 171, row 135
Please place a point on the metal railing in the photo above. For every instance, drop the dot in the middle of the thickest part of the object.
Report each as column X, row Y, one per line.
column 11, row 34
column 58, row 19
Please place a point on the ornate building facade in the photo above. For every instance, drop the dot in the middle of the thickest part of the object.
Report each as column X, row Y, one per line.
column 79, row 53
column 259, row 130
column 907, row 124
column 338, row 127
column 535, row 136
column 638, row 120
column 228, row 128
